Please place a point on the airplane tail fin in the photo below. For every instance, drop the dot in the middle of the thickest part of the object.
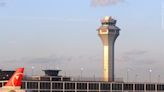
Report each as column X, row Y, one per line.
column 16, row 79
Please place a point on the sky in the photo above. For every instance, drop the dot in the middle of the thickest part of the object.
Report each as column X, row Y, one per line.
column 61, row 34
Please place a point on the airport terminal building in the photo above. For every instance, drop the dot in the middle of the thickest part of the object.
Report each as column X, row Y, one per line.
column 88, row 86
column 51, row 82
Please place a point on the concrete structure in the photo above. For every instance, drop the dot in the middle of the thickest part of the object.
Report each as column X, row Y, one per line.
column 108, row 33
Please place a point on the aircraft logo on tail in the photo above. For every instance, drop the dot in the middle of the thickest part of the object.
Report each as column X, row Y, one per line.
column 15, row 82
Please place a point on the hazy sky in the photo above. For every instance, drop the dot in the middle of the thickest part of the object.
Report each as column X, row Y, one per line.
column 62, row 34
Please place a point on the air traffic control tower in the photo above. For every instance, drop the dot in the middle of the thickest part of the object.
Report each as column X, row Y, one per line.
column 108, row 33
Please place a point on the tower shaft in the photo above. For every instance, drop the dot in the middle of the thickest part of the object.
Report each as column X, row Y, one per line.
column 108, row 55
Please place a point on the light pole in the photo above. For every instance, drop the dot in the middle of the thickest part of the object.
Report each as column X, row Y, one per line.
column 128, row 75
column 159, row 78
column 136, row 76
column 150, row 71
column 32, row 69
column 81, row 75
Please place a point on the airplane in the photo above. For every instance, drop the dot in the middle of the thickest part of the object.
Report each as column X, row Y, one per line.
column 15, row 82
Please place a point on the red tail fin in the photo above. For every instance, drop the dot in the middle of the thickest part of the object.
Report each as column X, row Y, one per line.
column 16, row 79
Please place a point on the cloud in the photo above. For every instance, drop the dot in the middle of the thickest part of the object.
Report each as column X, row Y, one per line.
column 137, row 59
column 105, row 2
column 2, row 3
column 132, row 55
column 54, row 61
column 136, row 52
